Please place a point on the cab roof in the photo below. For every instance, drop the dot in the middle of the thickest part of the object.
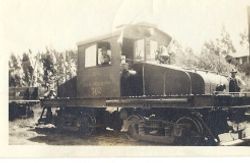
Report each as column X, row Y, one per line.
column 132, row 31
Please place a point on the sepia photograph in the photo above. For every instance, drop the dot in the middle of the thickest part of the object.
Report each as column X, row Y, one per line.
column 124, row 73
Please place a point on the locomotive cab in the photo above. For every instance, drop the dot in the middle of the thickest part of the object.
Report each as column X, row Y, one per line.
column 126, row 50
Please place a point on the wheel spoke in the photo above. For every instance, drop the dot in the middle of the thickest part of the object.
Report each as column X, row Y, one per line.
column 87, row 124
column 133, row 129
column 193, row 133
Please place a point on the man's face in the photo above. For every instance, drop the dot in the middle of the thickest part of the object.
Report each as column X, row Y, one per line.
column 104, row 51
column 233, row 74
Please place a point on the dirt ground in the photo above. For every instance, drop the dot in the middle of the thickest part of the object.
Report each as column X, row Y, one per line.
column 26, row 132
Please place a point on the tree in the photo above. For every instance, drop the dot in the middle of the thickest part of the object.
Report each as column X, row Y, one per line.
column 46, row 69
column 48, row 61
column 38, row 70
column 223, row 45
column 214, row 53
column 245, row 67
column 61, row 68
column 244, row 42
column 28, row 70
column 182, row 57
column 15, row 74
column 70, row 64
column 175, row 51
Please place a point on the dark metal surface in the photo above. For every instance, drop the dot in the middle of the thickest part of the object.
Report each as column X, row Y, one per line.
column 67, row 89
column 176, row 81
column 173, row 101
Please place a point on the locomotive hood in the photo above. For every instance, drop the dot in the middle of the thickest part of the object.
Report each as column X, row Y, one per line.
column 181, row 81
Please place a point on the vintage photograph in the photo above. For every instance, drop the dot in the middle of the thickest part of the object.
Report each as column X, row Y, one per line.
column 128, row 73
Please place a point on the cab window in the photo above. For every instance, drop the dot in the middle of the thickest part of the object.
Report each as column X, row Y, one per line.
column 98, row 55
column 139, row 49
column 104, row 54
column 157, row 52
column 90, row 56
column 153, row 46
column 162, row 55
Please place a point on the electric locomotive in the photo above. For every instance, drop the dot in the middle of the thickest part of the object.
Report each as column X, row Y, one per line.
column 121, row 85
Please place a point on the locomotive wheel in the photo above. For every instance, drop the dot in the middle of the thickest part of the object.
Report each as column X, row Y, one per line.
column 133, row 127
column 59, row 122
column 30, row 114
column 87, row 124
column 116, row 121
column 193, row 134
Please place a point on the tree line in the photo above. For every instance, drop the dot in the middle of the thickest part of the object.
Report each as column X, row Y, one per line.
column 216, row 55
column 43, row 69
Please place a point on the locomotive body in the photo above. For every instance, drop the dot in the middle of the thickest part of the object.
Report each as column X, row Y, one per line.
column 97, row 80
column 129, row 90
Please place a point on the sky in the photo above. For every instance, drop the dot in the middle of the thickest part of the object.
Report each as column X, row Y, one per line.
column 60, row 24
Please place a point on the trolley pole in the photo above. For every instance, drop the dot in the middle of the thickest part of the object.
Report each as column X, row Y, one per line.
column 248, row 18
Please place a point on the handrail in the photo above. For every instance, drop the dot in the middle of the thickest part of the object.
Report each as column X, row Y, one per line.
column 164, row 83
column 143, row 80
column 232, row 93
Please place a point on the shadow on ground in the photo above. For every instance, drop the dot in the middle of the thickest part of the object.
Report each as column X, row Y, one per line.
column 25, row 132
column 52, row 136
